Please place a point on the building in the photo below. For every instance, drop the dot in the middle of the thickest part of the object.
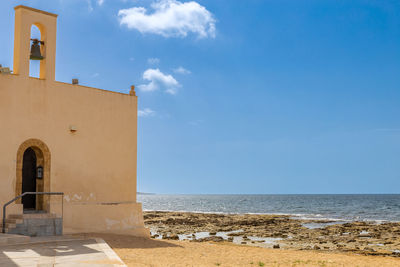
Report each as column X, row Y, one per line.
column 59, row 137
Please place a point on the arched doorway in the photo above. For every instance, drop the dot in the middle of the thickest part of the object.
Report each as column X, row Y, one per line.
column 32, row 155
column 29, row 166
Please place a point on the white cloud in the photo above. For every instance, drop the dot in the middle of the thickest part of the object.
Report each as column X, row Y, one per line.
column 146, row 112
column 158, row 80
column 100, row 2
column 153, row 61
column 170, row 18
column 182, row 70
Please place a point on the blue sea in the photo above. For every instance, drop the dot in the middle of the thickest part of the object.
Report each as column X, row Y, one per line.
column 377, row 208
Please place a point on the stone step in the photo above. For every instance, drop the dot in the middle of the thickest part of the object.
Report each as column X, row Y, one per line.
column 7, row 239
column 32, row 216
column 15, row 221
column 10, row 225
column 15, row 216
column 40, row 216
column 34, row 224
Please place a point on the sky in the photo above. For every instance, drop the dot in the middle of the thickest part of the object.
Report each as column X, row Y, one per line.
column 250, row 97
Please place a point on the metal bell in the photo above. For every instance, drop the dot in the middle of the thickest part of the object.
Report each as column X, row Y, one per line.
column 35, row 50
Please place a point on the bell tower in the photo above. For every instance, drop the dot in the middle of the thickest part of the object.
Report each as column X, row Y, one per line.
column 25, row 17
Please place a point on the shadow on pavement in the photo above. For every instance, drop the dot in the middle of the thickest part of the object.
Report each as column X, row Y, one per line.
column 45, row 253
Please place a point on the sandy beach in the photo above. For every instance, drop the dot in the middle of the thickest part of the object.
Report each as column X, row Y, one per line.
column 137, row 252
column 201, row 239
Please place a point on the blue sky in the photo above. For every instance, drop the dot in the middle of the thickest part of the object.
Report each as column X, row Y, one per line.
column 244, row 96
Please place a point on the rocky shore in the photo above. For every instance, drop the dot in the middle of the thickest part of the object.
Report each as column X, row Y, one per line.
column 277, row 231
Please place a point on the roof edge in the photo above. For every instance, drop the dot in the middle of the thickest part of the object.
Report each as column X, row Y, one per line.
column 36, row 10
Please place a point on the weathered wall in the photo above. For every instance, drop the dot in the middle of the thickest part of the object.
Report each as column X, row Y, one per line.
column 95, row 166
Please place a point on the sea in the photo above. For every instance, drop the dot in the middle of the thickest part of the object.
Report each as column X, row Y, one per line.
column 377, row 208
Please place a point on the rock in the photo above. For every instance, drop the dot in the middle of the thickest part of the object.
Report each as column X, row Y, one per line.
column 276, row 246
column 364, row 235
column 213, row 233
column 172, row 237
column 369, row 249
column 243, row 242
column 278, row 234
column 234, row 234
column 316, row 247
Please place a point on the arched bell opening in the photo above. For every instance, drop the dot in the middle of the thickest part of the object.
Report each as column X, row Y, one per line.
column 33, row 174
column 37, row 51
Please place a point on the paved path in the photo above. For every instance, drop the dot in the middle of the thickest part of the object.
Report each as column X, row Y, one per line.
column 42, row 253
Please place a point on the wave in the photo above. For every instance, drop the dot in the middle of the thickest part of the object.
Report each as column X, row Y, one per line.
column 340, row 208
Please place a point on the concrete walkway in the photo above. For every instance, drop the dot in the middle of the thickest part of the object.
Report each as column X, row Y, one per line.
column 44, row 252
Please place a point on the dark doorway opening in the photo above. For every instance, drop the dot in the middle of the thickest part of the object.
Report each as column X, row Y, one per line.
column 29, row 179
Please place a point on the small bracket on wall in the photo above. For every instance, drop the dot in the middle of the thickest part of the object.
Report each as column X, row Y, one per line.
column 72, row 128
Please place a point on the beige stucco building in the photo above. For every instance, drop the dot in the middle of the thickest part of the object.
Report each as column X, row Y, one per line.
column 59, row 137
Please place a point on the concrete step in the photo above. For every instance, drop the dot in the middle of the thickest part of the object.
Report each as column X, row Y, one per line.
column 6, row 239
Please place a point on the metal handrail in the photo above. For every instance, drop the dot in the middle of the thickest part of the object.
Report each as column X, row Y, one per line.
column 30, row 193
